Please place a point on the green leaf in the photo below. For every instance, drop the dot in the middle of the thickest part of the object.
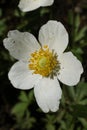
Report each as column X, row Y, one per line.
column 79, row 110
column 79, row 50
column 69, row 92
column 50, row 127
column 77, row 21
column 19, row 109
column 83, row 101
column 44, row 11
column 63, row 125
column 23, row 97
column 81, row 91
column 30, row 97
column 80, row 34
column 84, row 123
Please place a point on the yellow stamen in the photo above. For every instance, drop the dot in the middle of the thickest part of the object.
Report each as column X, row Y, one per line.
column 45, row 46
column 44, row 62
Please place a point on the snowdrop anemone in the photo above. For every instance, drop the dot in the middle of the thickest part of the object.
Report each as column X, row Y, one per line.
column 42, row 64
column 29, row 5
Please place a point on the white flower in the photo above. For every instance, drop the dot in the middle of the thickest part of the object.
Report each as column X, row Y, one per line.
column 29, row 5
column 41, row 64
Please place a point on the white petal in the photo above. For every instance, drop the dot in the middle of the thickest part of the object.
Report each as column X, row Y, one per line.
column 21, row 77
column 29, row 5
column 71, row 69
column 47, row 2
column 48, row 94
column 20, row 44
column 54, row 35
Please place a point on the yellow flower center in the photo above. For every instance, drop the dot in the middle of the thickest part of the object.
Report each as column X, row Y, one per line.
column 44, row 62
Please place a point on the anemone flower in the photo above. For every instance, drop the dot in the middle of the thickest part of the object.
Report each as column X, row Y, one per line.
column 42, row 64
column 29, row 5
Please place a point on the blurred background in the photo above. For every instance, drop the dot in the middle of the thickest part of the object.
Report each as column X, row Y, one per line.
column 18, row 109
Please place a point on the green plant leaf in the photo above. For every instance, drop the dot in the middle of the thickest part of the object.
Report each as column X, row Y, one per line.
column 80, row 34
column 77, row 21
column 81, row 91
column 23, row 97
column 79, row 110
column 84, row 123
column 50, row 127
column 19, row 109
